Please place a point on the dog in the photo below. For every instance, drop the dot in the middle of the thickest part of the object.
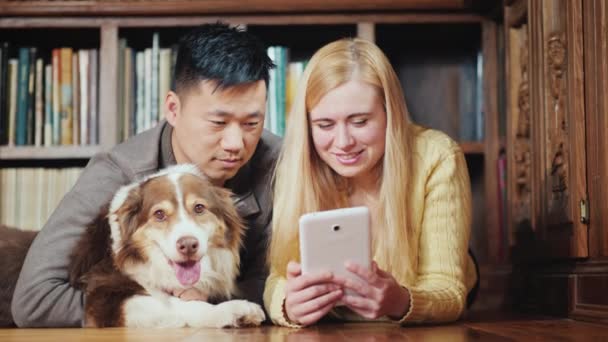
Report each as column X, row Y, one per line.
column 167, row 233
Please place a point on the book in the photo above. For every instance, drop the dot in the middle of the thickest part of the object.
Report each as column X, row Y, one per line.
column 75, row 100
column 31, row 98
column 83, row 86
column 48, row 105
column 22, row 96
column 56, row 93
column 39, row 103
column 13, row 70
column 93, row 119
column 65, row 81
column 4, row 92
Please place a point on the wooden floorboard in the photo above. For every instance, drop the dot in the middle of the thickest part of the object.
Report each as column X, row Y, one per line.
column 472, row 329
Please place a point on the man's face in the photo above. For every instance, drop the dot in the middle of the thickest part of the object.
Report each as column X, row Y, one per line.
column 217, row 129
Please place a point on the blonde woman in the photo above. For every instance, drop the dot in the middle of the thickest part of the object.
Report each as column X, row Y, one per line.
column 349, row 142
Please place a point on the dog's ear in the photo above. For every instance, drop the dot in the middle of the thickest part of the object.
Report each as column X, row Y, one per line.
column 235, row 228
column 129, row 212
column 128, row 216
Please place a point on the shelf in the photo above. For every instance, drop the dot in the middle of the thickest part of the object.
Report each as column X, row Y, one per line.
column 472, row 147
column 52, row 152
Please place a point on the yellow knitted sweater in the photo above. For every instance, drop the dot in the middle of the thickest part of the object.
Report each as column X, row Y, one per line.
column 441, row 204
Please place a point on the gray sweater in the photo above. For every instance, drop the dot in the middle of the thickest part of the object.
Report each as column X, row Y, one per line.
column 43, row 296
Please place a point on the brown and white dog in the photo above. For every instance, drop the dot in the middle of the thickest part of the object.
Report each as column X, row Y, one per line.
column 167, row 233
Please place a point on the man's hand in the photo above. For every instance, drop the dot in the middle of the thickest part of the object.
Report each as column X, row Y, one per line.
column 190, row 294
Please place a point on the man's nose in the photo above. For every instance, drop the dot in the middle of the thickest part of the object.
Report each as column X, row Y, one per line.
column 233, row 138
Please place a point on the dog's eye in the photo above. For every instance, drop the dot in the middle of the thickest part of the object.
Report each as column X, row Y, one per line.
column 199, row 208
column 160, row 215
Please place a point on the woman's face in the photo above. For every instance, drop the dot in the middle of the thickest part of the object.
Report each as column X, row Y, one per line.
column 348, row 128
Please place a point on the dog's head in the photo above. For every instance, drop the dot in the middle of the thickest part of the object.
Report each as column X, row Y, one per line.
column 175, row 230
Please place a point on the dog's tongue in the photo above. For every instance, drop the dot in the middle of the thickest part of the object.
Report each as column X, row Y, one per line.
column 187, row 272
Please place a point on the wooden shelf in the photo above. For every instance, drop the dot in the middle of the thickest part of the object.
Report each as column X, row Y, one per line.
column 187, row 7
column 472, row 147
column 53, row 152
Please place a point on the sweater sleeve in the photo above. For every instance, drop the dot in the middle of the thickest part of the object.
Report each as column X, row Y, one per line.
column 43, row 296
column 439, row 292
column 274, row 299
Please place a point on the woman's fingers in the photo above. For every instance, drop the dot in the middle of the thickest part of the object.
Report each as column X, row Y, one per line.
column 305, row 281
column 312, row 298
column 367, row 274
column 363, row 306
column 359, row 287
column 309, row 312
column 293, row 269
column 314, row 316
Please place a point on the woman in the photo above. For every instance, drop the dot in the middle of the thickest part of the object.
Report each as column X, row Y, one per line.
column 350, row 142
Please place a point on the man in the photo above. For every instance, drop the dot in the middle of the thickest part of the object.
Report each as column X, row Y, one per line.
column 214, row 119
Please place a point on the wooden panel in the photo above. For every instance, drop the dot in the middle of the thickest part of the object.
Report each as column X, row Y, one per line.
column 278, row 19
column 490, row 110
column 366, row 30
column 591, row 289
column 595, row 14
column 516, row 13
column 185, row 7
column 558, row 132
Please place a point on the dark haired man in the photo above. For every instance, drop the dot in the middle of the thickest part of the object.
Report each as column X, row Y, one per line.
column 214, row 119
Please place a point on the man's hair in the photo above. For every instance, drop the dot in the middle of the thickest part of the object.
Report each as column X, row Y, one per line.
column 228, row 55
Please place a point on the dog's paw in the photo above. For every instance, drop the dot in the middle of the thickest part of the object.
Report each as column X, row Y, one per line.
column 240, row 313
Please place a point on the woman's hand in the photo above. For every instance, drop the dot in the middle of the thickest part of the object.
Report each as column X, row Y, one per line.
column 379, row 293
column 309, row 297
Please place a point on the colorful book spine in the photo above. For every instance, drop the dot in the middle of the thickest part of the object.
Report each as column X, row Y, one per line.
column 48, row 105
column 22, row 96
column 65, row 81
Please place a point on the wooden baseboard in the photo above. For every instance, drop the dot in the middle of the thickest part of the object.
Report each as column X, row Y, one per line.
column 569, row 289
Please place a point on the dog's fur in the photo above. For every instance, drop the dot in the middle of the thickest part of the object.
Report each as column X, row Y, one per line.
column 14, row 244
column 168, row 232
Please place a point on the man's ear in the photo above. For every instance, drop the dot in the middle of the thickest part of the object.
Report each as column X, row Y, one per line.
column 172, row 107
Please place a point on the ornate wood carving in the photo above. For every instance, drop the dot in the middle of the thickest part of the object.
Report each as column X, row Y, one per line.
column 522, row 151
column 558, row 130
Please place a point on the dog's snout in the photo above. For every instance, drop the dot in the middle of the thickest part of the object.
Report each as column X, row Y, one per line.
column 187, row 245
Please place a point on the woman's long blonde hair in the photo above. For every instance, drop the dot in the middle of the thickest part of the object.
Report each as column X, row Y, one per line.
column 304, row 183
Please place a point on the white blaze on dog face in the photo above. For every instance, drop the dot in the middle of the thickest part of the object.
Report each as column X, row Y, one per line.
column 176, row 230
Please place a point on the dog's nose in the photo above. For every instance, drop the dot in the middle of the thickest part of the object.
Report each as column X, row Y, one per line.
column 187, row 245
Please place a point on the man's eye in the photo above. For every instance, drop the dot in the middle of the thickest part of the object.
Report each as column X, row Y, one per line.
column 218, row 123
column 252, row 124
column 160, row 215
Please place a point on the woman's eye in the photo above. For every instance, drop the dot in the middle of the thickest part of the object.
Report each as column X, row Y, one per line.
column 160, row 215
column 325, row 125
column 360, row 122
column 199, row 208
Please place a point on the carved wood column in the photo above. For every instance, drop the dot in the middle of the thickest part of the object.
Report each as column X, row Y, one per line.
column 558, row 126
column 519, row 124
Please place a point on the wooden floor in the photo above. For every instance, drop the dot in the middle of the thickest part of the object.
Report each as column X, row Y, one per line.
column 503, row 329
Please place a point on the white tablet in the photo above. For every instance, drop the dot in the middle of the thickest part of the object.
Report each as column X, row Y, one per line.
column 329, row 238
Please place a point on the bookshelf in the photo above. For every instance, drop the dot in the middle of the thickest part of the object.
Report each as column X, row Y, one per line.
column 433, row 43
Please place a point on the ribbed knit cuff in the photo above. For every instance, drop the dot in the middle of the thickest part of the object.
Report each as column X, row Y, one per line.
column 277, row 307
column 418, row 307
